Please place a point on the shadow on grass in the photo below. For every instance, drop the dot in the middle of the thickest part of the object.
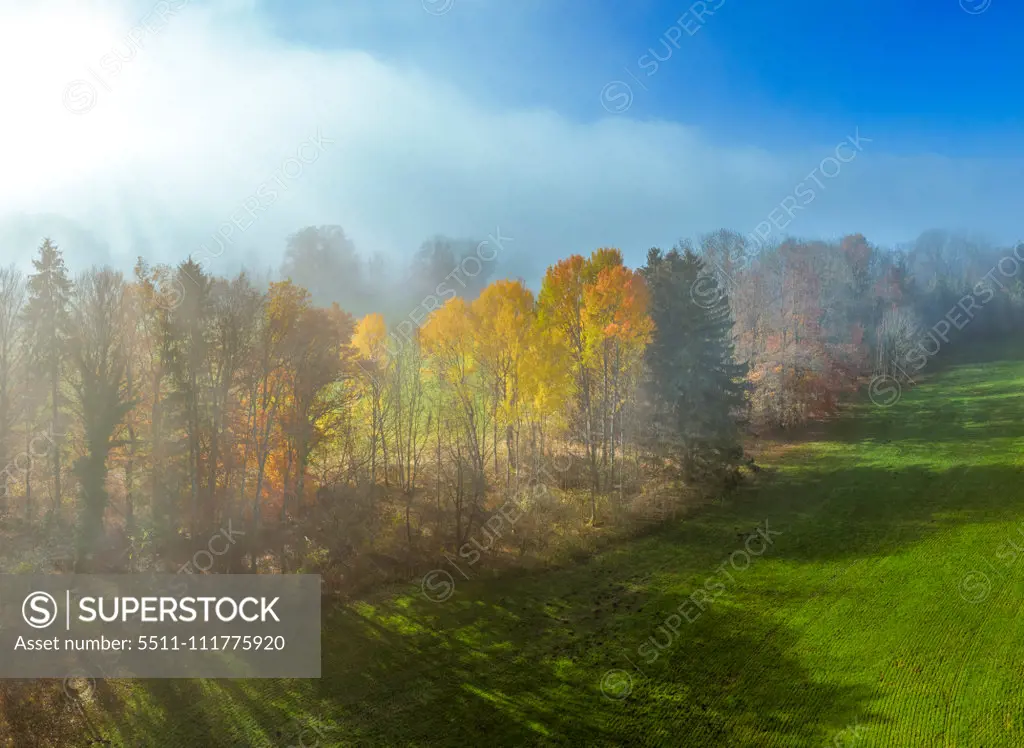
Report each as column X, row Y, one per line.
column 521, row 661
column 485, row 667
column 45, row 713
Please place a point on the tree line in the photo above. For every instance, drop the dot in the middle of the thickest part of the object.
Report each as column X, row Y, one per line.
column 140, row 414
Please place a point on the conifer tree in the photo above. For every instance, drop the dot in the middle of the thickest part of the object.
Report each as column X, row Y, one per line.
column 47, row 321
column 696, row 385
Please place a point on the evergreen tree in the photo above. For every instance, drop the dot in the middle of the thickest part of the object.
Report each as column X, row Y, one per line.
column 696, row 385
column 189, row 331
column 47, row 322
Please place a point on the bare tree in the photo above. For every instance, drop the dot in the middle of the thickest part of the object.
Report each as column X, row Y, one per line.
column 898, row 333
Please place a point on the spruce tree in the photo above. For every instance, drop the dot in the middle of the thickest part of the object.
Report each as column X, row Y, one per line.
column 697, row 387
column 47, row 322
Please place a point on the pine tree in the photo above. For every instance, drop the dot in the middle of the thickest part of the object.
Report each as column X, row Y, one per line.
column 47, row 321
column 696, row 385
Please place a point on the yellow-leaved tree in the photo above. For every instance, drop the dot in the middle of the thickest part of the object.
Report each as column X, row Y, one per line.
column 449, row 341
column 503, row 315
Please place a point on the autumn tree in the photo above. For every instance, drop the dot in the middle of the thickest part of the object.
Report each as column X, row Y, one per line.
column 579, row 299
column 547, row 386
column 618, row 328
column 451, row 346
column 274, row 356
column 235, row 308
column 560, row 309
column 504, row 316
column 316, row 362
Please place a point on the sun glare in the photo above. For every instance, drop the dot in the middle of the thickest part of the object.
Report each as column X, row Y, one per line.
column 53, row 63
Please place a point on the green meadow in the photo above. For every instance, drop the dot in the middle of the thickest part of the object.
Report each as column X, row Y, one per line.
column 886, row 611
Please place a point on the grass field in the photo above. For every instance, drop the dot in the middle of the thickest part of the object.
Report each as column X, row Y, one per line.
column 888, row 612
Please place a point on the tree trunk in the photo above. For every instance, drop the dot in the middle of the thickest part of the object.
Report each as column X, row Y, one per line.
column 55, row 395
column 28, row 478
column 129, row 468
column 156, row 498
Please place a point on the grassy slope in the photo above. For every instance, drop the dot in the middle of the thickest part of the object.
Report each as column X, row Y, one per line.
column 855, row 620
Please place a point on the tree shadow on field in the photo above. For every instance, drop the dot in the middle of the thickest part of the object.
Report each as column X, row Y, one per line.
column 534, row 670
column 175, row 711
column 51, row 713
column 218, row 713
column 520, row 665
column 860, row 512
column 740, row 684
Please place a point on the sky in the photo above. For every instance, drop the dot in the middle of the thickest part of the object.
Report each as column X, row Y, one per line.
column 216, row 128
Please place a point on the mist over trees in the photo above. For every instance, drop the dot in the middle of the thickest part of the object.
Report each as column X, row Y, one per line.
column 139, row 415
column 323, row 260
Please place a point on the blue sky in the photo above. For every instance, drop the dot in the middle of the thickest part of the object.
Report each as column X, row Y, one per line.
column 460, row 116
column 925, row 73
